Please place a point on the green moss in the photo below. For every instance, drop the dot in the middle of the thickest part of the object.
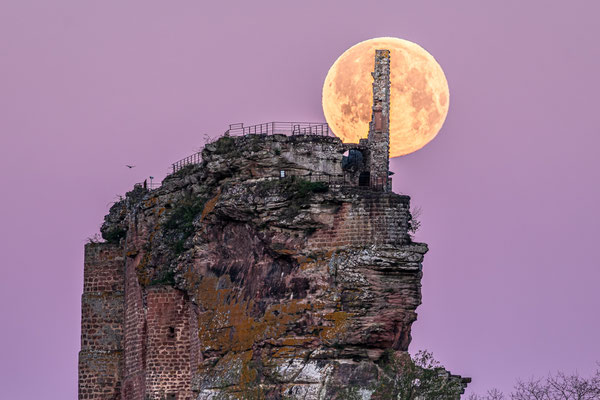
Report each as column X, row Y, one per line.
column 257, row 143
column 114, row 235
column 179, row 225
column 294, row 188
column 298, row 192
column 404, row 377
column 167, row 278
column 225, row 144
column 302, row 188
column 178, row 246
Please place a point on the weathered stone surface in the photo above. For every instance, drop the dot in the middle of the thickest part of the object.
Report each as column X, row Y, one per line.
column 379, row 133
column 101, row 352
column 285, row 285
column 265, row 272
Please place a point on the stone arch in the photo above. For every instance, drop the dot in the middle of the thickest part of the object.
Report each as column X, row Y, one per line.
column 354, row 159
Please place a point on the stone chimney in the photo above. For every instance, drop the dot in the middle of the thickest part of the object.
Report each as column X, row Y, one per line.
column 379, row 134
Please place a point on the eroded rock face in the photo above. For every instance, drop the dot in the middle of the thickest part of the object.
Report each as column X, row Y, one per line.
column 251, row 286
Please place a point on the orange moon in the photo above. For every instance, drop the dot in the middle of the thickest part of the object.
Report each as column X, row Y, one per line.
column 419, row 94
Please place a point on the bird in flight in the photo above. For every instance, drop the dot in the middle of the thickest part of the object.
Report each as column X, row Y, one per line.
column 130, row 166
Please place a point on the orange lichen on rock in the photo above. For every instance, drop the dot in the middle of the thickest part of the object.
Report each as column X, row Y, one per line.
column 271, row 288
column 210, row 205
column 339, row 325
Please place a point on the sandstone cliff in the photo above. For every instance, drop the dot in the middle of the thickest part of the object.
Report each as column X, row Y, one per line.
column 250, row 275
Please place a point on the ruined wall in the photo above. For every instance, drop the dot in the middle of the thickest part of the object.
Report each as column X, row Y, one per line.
column 379, row 136
column 269, row 271
column 373, row 218
column 100, row 358
column 239, row 287
column 278, row 286
column 172, row 356
column 134, row 366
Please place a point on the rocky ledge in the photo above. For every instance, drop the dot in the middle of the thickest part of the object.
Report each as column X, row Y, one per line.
column 296, row 289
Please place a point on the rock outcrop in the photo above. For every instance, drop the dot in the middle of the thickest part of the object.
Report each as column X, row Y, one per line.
column 251, row 275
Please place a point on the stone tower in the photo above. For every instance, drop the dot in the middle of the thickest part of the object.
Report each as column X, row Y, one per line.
column 102, row 312
column 379, row 133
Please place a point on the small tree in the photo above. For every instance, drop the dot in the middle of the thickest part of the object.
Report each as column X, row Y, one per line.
column 421, row 377
column 493, row 394
column 95, row 238
column 559, row 386
column 415, row 221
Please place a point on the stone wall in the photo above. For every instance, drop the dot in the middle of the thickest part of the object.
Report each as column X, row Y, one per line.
column 157, row 352
column 369, row 219
column 379, row 134
column 100, row 358
column 134, row 368
column 172, row 342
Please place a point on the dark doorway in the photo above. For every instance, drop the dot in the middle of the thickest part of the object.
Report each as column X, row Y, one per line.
column 364, row 179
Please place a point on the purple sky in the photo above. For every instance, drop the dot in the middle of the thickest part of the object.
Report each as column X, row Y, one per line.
column 509, row 188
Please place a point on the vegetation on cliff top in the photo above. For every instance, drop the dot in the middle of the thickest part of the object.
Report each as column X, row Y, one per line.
column 414, row 222
column 404, row 378
column 298, row 192
column 114, row 227
column 419, row 377
column 224, row 145
column 180, row 224
column 114, row 235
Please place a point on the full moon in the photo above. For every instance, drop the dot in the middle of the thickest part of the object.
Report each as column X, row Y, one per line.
column 419, row 94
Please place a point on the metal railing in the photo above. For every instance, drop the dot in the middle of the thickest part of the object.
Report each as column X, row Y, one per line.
column 280, row 128
column 195, row 158
column 294, row 128
column 150, row 185
column 345, row 180
column 267, row 128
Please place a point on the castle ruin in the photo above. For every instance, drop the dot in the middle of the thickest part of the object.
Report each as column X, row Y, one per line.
column 271, row 266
